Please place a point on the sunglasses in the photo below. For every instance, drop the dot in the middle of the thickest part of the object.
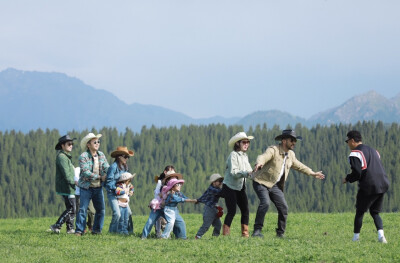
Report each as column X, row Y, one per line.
column 70, row 144
column 125, row 156
column 178, row 184
column 245, row 142
column 96, row 142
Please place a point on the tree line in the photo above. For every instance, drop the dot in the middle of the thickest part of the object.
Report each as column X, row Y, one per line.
column 27, row 164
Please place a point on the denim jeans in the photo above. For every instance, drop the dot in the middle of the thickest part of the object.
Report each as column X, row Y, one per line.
column 90, row 212
column 210, row 218
column 96, row 195
column 174, row 219
column 266, row 195
column 179, row 229
column 116, row 214
column 68, row 215
column 153, row 217
column 123, row 220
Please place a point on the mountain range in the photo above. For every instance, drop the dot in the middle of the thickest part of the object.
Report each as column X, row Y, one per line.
column 30, row 100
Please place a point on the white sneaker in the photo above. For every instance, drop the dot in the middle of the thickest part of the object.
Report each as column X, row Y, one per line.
column 71, row 231
column 355, row 239
column 382, row 240
column 55, row 229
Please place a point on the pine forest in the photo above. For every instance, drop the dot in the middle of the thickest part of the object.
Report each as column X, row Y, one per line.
column 27, row 165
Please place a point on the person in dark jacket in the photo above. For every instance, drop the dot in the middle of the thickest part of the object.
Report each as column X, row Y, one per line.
column 65, row 184
column 367, row 169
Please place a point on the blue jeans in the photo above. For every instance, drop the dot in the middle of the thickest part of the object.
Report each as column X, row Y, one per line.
column 210, row 218
column 123, row 220
column 179, row 229
column 174, row 219
column 97, row 197
column 116, row 214
column 153, row 217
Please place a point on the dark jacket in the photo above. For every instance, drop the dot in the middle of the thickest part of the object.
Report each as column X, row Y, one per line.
column 65, row 184
column 367, row 169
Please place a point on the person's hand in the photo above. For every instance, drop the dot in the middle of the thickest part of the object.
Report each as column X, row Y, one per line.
column 344, row 180
column 319, row 175
column 257, row 167
column 251, row 175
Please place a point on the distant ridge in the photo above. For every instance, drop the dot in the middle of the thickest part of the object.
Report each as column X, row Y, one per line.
column 368, row 106
column 30, row 100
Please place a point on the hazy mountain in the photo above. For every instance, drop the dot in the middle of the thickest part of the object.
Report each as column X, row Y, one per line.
column 368, row 106
column 30, row 100
column 272, row 117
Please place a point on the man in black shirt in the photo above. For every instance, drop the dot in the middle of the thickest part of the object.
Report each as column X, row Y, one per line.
column 367, row 169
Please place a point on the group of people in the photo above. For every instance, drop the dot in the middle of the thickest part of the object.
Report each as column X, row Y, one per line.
column 268, row 176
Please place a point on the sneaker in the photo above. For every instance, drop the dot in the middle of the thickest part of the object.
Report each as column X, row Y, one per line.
column 78, row 234
column 280, row 235
column 55, row 229
column 382, row 240
column 257, row 233
column 355, row 239
column 71, row 231
column 197, row 237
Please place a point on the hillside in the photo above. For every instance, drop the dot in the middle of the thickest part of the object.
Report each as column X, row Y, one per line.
column 30, row 100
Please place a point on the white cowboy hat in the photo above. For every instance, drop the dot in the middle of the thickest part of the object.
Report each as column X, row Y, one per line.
column 87, row 138
column 215, row 177
column 237, row 137
column 126, row 176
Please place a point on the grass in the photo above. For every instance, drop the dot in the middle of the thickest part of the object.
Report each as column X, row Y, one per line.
column 310, row 237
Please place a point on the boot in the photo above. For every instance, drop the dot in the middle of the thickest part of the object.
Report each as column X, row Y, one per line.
column 226, row 230
column 245, row 230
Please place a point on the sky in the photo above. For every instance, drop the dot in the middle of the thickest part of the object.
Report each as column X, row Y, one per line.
column 209, row 58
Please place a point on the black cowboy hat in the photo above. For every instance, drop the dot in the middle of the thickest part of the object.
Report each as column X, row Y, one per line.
column 63, row 140
column 288, row 134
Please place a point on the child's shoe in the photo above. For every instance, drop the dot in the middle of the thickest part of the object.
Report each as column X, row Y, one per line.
column 197, row 237
column 71, row 231
column 55, row 229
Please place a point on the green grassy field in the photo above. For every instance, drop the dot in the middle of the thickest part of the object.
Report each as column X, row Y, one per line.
column 310, row 237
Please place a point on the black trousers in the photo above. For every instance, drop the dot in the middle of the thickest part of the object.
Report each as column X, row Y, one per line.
column 233, row 198
column 68, row 215
column 372, row 202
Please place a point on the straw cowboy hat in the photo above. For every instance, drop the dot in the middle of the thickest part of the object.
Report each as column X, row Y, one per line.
column 122, row 150
column 237, row 137
column 215, row 177
column 288, row 134
column 169, row 175
column 63, row 140
column 126, row 176
column 87, row 138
